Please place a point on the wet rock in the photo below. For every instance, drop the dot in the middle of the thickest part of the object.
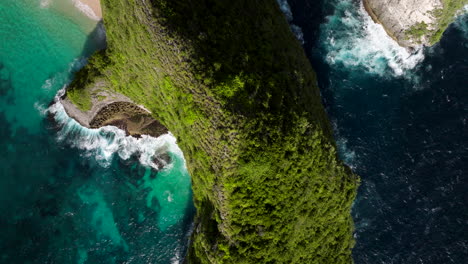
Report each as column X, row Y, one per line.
column 115, row 110
column 411, row 23
column 162, row 160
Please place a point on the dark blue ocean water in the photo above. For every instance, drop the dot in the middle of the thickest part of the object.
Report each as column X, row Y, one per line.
column 401, row 123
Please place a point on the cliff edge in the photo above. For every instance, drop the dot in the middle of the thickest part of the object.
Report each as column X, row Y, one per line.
column 413, row 23
column 94, row 106
column 232, row 83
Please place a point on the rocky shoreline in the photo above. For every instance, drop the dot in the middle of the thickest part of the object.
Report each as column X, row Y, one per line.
column 115, row 110
column 414, row 23
column 242, row 99
column 375, row 18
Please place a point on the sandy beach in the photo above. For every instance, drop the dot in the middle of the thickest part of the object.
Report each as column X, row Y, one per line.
column 91, row 8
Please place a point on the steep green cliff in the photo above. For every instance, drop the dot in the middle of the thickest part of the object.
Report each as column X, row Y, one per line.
column 230, row 81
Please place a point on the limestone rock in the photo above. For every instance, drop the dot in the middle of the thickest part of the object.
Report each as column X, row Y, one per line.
column 413, row 23
column 114, row 109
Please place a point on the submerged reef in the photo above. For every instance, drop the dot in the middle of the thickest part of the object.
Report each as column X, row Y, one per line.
column 233, row 84
column 413, row 23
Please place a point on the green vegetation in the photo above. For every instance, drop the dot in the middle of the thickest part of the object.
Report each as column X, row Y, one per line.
column 81, row 98
column 229, row 79
column 78, row 92
column 417, row 31
column 444, row 17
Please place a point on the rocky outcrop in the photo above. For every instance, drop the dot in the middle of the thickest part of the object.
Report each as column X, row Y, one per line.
column 113, row 109
column 414, row 23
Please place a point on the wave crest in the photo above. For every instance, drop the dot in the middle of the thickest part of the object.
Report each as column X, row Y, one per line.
column 105, row 142
column 351, row 38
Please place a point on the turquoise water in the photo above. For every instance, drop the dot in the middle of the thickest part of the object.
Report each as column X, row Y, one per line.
column 70, row 194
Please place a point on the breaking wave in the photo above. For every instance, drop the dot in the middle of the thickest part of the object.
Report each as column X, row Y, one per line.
column 59, row 78
column 85, row 9
column 350, row 38
column 286, row 9
column 106, row 142
column 462, row 21
column 45, row 3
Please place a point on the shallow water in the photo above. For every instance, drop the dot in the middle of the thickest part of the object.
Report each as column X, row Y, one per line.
column 70, row 194
column 400, row 122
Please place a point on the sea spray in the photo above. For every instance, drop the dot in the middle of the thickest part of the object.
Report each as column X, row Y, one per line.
column 346, row 154
column 87, row 10
column 172, row 186
column 105, row 142
column 45, row 3
column 352, row 39
column 462, row 21
column 76, row 210
column 286, row 9
column 58, row 78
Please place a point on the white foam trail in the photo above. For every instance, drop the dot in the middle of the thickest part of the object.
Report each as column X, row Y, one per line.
column 45, row 3
column 462, row 21
column 351, row 38
column 105, row 142
column 85, row 9
column 286, row 9
column 347, row 155
column 176, row 259
column 41, row 108
column 62, row 77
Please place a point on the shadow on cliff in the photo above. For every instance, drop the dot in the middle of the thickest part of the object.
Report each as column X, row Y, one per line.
column 95, row 41
column 309, row 16
column 232, row 39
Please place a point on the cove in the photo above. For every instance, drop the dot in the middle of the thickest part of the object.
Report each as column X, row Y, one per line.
column 70, row 194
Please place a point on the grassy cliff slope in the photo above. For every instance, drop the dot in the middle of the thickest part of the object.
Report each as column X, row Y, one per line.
column 230, row 81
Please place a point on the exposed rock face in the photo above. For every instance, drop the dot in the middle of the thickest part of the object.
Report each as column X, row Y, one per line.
column 116, row 110
column 413, row 23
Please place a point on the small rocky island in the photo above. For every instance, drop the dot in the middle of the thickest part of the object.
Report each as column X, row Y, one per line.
column 413, row 23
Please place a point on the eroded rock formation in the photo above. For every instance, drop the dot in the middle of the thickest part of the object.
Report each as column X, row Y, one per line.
column 116, row 110
column 414, row 23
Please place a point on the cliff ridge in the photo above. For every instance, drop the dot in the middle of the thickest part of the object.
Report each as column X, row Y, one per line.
column 232, row 83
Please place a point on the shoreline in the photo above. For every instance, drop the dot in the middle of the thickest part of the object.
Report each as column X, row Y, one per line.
column 85, row 13
column 90, row 8
column 376, row 20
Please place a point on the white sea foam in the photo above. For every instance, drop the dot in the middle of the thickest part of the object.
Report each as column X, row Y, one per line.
column 41, row 108
column 85, row 9
column 45, row 3
column 352, row 39
column 286, row 9
column 60, row 77
column 105, row 142
column 48, row 83
column 346, row 154
column 177, row 257
column 462, row 21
